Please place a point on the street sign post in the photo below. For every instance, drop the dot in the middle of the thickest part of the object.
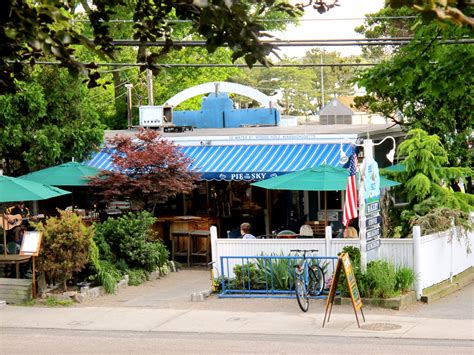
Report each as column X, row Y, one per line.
column 372, row 205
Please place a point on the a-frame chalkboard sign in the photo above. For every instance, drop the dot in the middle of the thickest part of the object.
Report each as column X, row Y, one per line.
column 344, row 263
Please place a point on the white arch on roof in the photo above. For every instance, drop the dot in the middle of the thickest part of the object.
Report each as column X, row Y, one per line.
column 220, row 86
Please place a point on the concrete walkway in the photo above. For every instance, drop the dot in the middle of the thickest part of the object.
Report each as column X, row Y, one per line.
column 165, row 305
column 233, row 321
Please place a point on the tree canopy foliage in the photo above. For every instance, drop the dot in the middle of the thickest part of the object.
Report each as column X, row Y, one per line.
column 299, row 89
column 458, row 12
column 386, row 23
column 49, row 120
column 428, row 85
column 426, row 179
column 31, row 31
column 148, row 171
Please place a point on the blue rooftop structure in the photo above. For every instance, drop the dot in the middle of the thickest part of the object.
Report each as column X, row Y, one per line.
column 217, row 111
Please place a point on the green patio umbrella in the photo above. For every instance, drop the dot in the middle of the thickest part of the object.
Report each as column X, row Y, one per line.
column 17, row 189
column 321, row 178
column 384, row 182
column 67, row 174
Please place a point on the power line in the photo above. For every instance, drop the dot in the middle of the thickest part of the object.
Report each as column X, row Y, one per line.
column 278, row 20
column 292, row 43
column 115, row 70
column 221, row 65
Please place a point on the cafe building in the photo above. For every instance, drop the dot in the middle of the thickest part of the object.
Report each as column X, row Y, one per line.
column 230, row 156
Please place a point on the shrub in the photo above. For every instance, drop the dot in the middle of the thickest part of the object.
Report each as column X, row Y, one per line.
column 248, row 276
column 137, row 276
column 106, row 273
column 66, row 246
column 277, row 273
column 131, row 239
column 354, row 256
column 380, row 279
column 404, row 279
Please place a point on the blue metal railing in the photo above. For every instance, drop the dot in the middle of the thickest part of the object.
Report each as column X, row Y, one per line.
column 267, row 276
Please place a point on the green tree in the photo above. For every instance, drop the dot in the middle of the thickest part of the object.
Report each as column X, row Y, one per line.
column 168, row 81
column 50, row 120
column 45, row 29
column 427, row 85
column 426, row 180
column 386, row 23
column 458, row 12
column 299, row 88
column 66, row 244
column 337, row 80
column 149, row 171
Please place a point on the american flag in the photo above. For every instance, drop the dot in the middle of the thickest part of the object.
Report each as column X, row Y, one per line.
column 350, row 204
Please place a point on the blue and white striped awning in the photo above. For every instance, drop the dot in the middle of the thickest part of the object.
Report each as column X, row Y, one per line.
column 248, row 162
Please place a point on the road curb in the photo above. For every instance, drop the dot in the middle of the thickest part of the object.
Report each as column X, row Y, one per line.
column 447, row 287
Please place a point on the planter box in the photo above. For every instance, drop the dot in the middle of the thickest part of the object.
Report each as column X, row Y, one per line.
column 396, row 303
column 15, row 291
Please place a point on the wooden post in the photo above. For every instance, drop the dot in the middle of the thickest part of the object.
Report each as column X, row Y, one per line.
column 33, row 258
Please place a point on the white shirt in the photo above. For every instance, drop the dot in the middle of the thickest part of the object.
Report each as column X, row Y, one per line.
column 248, row 236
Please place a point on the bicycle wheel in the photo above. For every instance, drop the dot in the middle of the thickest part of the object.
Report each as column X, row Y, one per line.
column 316, row 280
column 302, row 294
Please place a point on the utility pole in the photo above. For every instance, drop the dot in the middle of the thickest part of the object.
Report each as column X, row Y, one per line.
column 149, row 83
column 322, row 82
column 129, row 104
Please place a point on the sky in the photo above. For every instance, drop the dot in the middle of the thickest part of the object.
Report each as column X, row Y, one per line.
column 325, row 28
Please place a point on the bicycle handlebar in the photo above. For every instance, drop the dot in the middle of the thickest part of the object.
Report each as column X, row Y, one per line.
column 304, row 250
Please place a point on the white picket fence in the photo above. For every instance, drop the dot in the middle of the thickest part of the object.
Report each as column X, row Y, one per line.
column 434, row 258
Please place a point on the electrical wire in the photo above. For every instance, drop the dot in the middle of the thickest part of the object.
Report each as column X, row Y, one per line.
column 293, row 43
column 128, row 81
column 221, row 65
column 281, row 19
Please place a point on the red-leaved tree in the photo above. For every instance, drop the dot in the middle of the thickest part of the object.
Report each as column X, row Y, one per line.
column 148, row 170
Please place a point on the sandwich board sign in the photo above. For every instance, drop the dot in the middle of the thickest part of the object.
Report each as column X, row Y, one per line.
column 344, row 264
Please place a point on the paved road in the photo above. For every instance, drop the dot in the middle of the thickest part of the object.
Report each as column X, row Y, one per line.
column 46, row 341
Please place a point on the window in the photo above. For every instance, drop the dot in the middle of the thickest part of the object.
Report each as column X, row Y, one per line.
column 334, row 200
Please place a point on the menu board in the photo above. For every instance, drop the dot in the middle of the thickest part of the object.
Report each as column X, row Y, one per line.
column 344, row 264
column 351, row 281
column 31, row 243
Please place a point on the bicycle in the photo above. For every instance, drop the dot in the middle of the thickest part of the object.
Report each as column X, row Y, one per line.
column 309, row 279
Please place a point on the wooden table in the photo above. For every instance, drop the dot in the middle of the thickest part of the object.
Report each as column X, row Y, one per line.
column 16, row 259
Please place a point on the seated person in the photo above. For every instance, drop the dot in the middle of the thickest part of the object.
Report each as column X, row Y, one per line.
column 350, row 232
column 245, row 229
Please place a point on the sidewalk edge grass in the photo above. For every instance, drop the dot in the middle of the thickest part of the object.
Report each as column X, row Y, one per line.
column 447, row 287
